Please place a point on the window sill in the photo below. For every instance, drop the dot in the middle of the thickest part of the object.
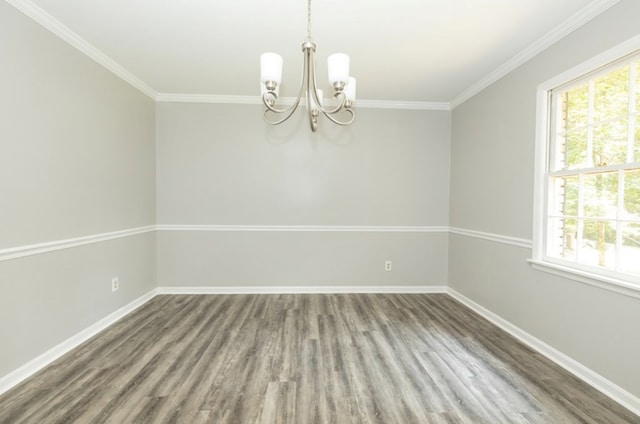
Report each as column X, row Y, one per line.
column 612, row 284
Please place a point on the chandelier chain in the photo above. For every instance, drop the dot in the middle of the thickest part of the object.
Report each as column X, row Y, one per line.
column 308, row 19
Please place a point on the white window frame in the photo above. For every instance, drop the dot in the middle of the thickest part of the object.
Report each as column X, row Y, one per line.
column 604, row 279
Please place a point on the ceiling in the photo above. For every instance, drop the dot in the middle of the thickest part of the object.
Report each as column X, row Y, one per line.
column 401, row 50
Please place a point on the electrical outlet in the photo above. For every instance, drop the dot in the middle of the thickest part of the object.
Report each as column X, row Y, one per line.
column 387, row 266
column 114, row 284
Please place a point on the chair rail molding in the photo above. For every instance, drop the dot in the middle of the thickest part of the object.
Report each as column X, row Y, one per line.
column 52, row 246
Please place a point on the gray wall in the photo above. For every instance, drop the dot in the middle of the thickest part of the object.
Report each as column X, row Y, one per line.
column 77, row 158
column 492, row 161
column 222, row 165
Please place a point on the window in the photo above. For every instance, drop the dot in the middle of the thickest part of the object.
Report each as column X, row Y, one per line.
column 589, row 187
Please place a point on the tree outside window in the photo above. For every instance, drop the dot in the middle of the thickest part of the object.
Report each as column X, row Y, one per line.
column 593, row 217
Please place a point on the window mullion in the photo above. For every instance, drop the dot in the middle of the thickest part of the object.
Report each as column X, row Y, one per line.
column 619, row 216
column 580, row 220
column 557, row 131
column 631, row 127
column 590, row 114
column 593, row 170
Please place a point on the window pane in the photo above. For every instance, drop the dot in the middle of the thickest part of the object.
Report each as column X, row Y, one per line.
column 563, row 238
column 630, row 253
column 610, row 143
column 576, row 107
column 565, row 196
column 600, row 195
column 598, row 243
column 575, row 153
column 571, row 196
column 632, row 195
column 611, row 95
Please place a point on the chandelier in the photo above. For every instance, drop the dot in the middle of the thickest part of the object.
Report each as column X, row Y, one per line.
column 344, row 86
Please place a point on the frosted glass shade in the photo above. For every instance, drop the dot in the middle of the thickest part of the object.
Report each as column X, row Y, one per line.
column 338, row 64
column 350, row 89
column 271, row 67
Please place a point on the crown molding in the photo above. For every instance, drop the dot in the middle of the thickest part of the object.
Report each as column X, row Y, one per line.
column 288, row 101
column 565, row 28
column 210, row 98
column 58, row 28
column 402, row 104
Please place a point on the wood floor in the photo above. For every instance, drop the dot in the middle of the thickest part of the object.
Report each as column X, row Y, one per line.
column 305, row 359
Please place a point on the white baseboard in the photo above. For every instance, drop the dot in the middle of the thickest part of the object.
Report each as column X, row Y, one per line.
column 615, row 392
column 301, row 289
column 15, row 377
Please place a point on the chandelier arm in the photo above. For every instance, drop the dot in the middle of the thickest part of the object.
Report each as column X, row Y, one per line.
column 275, row 110
column 343, row 123
column 312, row 77
column 310, row 71
column 339, row 107
column 290, row 110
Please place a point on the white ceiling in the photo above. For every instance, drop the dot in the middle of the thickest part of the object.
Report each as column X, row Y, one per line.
column 401, row 50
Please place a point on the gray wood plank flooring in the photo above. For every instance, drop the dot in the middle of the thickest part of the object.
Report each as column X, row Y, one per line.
column 366, row 358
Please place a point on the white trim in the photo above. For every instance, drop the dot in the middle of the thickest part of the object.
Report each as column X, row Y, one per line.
column 592, row 10
column 40, row 248
column 540, row 163
column 300, row 289
column 58, row 28
column 402, row 104
column 607, row 283
column 208, row 98
column 288, row 101
column 602, row 59
column 512, row 241
column 37, row 249
column 305, row 228
column 612, row 390
column 498, row 238
column 542, row 153
column 36, row 364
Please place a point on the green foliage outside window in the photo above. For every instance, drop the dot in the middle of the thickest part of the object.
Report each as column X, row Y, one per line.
column 599, row 127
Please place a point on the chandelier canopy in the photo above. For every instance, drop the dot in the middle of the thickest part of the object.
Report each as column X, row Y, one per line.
column 343, row 86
